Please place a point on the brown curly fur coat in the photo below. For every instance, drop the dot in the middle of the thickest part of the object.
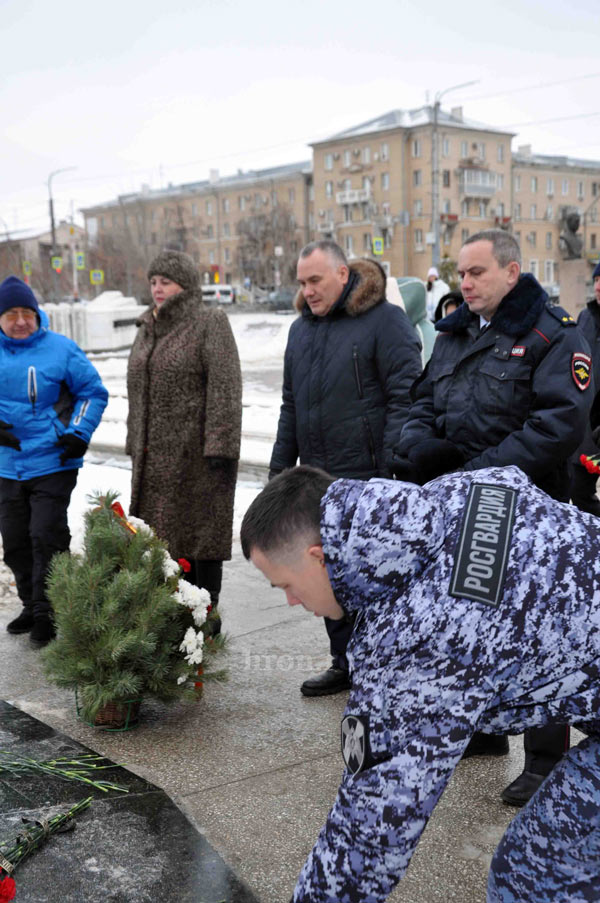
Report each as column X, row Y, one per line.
column 185, row 405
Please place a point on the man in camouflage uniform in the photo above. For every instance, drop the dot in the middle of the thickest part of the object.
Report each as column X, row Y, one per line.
column 477, row 604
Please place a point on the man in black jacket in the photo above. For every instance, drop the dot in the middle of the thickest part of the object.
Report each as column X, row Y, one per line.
column 350, row 360
column 583, row 487
column 507, row 383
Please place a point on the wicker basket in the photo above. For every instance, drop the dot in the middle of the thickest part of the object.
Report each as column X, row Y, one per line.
column 115, row 716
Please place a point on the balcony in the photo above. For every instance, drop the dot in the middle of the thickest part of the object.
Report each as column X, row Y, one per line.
column 353, row 196
column 477, row 183
column 327, row 227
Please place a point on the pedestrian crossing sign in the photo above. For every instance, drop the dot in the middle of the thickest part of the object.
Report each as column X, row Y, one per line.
column 378, row 246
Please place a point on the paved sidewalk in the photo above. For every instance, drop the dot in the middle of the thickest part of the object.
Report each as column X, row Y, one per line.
column 255, row 765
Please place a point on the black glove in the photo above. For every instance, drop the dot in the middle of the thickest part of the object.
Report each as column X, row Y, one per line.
column 402, row 469
column 216, row 463
column 433, row 457
column 74, row 447
column 7, row 438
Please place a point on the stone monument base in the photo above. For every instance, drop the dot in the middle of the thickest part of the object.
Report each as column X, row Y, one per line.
column 572, row 277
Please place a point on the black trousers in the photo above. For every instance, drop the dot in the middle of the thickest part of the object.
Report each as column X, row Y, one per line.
column 34, row 527
column 339, row 636
column 206, row 575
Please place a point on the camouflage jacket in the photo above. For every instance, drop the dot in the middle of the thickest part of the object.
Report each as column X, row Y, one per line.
column 429, row 667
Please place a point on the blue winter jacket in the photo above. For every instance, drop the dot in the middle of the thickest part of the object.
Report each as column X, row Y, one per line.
column 47, row 388
column 430, row 664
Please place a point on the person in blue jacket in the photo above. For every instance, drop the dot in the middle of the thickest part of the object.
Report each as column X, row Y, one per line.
column 476, row 601
column 51, row 401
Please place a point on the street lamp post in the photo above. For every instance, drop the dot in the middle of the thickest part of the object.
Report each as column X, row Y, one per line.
column 435, row 170
column 52, row 225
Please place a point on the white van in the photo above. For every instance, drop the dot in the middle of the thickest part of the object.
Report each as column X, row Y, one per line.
column 218, row 294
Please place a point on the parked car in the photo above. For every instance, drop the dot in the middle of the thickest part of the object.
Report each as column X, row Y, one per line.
column 218, row 294
column 281, row 299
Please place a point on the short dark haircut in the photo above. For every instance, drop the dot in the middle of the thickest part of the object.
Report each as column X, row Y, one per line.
column 505, row 246
column 328, row 247
column 288, row 509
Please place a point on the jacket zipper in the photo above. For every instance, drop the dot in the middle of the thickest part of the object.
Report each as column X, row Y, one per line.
column 357, row 371
column 32, row 386
column 82, row 412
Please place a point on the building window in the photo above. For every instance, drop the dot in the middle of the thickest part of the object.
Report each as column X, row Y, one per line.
column 416, row 147
column 565, row 186
column 550, row 187
column 446, row 178
column 534, row 184
column 517, row 183
column 549, row 271
column 464, row 148
column 445, row 147
column 227, row 255
column 347, row 213
column 418, row 239
column 211, row 257
column 291, row 195
column 328, row 189
column 385, row 151
column 533, row 268
column 366, row 154
column 580, row 193
column 328, row 161
column 533, row 211
column 367, row 243
column 347, row 184
column 385, row 208
column 593, row 215
column 549, row 241
column 194, row 209
column 226, row 230
column 593, row 241
column 366, row 182
column 500, row 181
column 464, row 234
column 417, row 177
column 482, row 210
column 364, row 208
column 532, row 239
column 517, row 211
column 387, row 238
column 464, row 208
column 102, row 222
column 209, row 231
column 347, row 157
column 418, row 207
column 446, row 206
column 549, row 212
column 208, row 208
column 500, row 153
column 500, row 209
column 349, row 242
column 385, row 181
column 225, row 205
column 242, row 202
column 481, row 150
column 518, row 237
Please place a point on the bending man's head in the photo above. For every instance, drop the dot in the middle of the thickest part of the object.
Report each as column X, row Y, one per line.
column 281, row 536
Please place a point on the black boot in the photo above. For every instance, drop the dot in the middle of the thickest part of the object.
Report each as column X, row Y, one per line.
column 334, row 680
column 23, row 622
column 482, row 744
column 43, row 631
column 522, row 788
column 214, row 622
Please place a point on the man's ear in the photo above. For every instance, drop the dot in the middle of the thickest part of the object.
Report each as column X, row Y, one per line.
column 344, row 273
column 317, row 553
column 514, row 271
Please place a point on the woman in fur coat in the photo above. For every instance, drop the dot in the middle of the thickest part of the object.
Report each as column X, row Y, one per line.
column 184, row 423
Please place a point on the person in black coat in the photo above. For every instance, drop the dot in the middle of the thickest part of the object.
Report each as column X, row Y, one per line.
column 350, row 361
column 507, row 384
column 583, row 486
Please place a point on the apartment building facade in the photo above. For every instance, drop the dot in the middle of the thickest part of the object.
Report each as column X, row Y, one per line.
column 248, row 225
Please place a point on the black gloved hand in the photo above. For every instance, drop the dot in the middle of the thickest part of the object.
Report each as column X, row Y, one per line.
column 433, row 457
column 216, row 463
column 74, row 447
column 402, row 469
column 7, row 438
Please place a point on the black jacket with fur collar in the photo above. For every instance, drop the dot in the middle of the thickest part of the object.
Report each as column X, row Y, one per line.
column 517, row 394
column 346, row 381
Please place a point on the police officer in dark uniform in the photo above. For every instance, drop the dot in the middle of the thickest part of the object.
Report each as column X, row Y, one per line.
column 583, row 487
column 507, row 383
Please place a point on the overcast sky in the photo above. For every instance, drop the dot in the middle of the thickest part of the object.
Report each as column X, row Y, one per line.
column 134, row 92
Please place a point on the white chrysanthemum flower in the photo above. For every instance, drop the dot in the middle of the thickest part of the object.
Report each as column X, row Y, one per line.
column 196, row 657
column 194, row 598
column 189, row 642
column 182, row 679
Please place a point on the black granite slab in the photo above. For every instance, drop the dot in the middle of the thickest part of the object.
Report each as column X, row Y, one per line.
column 136, row 847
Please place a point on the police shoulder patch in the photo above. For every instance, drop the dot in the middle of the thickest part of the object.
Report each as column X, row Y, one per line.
column 355, row 742
column 581, row 369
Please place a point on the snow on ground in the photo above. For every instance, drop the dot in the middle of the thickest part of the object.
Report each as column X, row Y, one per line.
column 261, row 340
column 98, row 476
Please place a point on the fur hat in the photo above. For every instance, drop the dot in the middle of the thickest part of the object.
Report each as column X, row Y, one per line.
column 596, row 271
column 178, row 267
column 15, row 293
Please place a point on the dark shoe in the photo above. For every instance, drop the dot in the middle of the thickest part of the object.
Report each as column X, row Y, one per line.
column 22, row 624
column 43, row 631
column 486, row 745
column 522, row 788
column 334, row 680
